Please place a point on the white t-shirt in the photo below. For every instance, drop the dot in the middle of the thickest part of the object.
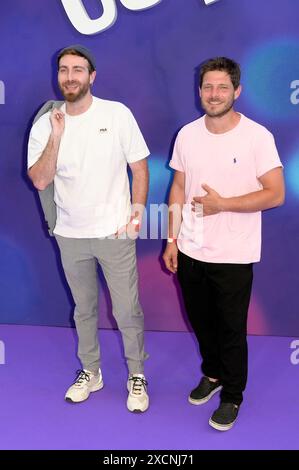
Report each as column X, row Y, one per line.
column 230, row 163
column 92, row 191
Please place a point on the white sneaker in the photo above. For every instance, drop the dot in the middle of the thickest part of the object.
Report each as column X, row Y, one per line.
column 138, row 400
column 85, row 383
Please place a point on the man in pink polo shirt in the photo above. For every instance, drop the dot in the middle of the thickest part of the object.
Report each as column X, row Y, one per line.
column 227, row 170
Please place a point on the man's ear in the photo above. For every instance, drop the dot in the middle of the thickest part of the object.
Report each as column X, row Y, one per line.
column 238, row 92
column 92, row 77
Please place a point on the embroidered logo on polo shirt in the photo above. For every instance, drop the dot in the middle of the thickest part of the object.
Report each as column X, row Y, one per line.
column 103, row 129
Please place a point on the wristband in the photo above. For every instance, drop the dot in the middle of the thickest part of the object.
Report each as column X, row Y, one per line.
column 171, row 240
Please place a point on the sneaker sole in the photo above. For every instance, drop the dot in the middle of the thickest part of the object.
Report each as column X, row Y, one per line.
column 221, row 427
column 96, row 388
column 138, row 411
column 201, row 401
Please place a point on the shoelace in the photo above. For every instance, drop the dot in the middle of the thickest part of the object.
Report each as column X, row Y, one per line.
column 81, row 377
column 138, row 383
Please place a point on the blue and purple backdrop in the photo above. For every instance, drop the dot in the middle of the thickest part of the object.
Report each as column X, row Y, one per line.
column 146, row 59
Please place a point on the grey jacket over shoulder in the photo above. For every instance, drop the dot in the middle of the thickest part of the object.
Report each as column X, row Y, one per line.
column 47, row 195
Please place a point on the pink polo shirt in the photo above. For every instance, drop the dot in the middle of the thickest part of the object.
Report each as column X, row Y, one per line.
column 231, row 164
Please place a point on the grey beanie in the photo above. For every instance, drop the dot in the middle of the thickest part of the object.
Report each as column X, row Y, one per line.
column 82, row 50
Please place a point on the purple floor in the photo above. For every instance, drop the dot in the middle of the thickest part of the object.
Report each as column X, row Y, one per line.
column 40, row 364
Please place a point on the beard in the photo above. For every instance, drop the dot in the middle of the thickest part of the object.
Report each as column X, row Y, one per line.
column 73, row 96
column 220, row 111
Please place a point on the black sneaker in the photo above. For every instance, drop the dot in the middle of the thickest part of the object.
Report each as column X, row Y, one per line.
column 224, row 417
column 204, row 391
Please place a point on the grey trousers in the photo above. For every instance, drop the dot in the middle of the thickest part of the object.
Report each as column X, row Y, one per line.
column 117, row 258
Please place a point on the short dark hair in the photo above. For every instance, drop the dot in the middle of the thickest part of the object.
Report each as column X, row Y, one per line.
column 222, row 64
column 74, row 51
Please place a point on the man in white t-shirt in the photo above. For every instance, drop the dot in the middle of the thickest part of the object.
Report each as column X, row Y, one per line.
column 227, row 171
column 85, row 148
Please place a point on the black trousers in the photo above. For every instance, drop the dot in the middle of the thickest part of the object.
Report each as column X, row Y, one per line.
column 217, row 298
